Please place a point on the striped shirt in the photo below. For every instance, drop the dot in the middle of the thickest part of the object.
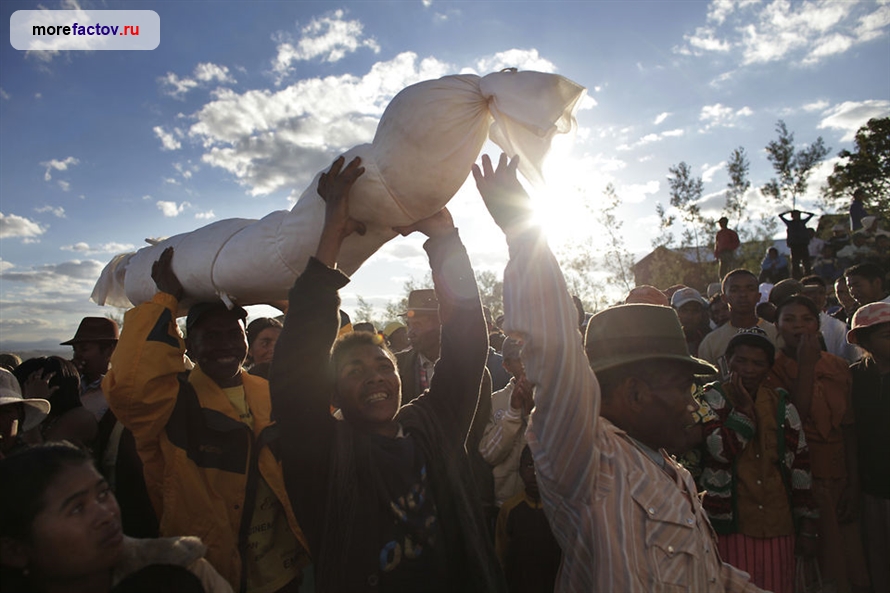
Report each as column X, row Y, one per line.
column 623, row 523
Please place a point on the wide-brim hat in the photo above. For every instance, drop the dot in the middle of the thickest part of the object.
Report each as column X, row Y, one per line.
column 95, row 329
column 10, row 393
column 422, row 301
column 199, row 310
column 635, row 333
column 867, row 316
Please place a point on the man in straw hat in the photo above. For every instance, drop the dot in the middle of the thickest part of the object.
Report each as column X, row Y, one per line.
column 627, row 517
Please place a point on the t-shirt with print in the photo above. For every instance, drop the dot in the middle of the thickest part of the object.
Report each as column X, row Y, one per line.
column 412, row 556
column 271, row 546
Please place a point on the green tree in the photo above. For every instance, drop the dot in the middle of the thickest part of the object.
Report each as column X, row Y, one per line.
column 867, row 168
column 737, row 186
column 617, row 260
column 793, row 166
column 686, row 191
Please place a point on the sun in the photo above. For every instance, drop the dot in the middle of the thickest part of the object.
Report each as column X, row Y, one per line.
column 567, row 205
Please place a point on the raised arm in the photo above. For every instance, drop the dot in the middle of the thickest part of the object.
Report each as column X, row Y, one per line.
column 142, row 385
column 299, row 382
column 540, row 312
column 454, row 390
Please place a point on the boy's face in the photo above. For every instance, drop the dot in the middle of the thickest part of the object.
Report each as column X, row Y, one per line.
column 752, row 365
column 368, row 390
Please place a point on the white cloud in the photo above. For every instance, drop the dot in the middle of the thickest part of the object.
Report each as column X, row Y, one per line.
column 204, row 73
column 207, row 72
column 269, row 140
column 661, row 117
column 5, row 265
column 205, row 215
column 804, row 33
column 171, row 209
column 708, row 171
column 523, row 59
column 56, row 211
column 328, row 37
column 815, row 106
column 64, row 185
column 719, row 115
column 12, row 225
column 88, row 249
column 638, row 192
column 4, row 95
column 168, row 140
column 58, row 166
column 427, row 3
column 651, row 138
column 851, row 115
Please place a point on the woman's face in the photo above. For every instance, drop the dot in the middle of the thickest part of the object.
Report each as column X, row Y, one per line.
column 794, row 321
column 78, row 533
column 263, row 348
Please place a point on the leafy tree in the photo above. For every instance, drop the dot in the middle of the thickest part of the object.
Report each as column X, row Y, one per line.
column 617, row 260
column 793, row 166
column 866, row 168
column 686, row 191
column 738, row 185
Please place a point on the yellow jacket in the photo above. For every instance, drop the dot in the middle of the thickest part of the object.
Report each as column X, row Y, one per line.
column 199, row 459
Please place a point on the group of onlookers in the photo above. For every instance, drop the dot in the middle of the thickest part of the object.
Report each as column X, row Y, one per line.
column 729, row 443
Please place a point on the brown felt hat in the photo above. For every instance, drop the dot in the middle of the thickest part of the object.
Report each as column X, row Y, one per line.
column 636, row 333
column 422, row 301
column 95, row 329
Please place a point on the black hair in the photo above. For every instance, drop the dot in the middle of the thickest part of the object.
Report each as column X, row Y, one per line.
column 258, row 326
column 26, row 475
column 868, row 270
column 66, row 379
column 799, row 299
column 754, row 341
column 733, row 274
column 352, row 340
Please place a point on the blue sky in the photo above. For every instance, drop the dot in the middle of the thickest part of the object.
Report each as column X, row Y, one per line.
column 243, row 102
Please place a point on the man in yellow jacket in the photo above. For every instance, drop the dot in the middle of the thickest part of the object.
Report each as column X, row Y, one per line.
column 204, row 437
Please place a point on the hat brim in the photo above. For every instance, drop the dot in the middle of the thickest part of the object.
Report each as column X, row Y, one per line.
column 699, row 366
column 410, row 311
column 73, row 341
column 35, row 410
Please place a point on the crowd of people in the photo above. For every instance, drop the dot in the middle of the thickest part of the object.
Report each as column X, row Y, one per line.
column 736, row 441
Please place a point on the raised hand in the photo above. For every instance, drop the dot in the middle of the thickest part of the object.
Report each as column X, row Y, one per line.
column 164, row 277
column 437, row 225
column 506, row 199
column 334, row 187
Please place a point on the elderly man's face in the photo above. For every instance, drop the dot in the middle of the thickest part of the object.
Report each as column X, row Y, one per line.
column 666, row 417
column 423, row 332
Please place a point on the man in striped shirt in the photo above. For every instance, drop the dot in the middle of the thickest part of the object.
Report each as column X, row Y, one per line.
column 626, row 516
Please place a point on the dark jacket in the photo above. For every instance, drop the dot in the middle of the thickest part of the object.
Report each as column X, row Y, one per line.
column 325, row 460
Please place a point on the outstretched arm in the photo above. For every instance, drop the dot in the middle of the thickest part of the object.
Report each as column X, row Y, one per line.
column 454, row 390
column 539, row 310
column 299, row 382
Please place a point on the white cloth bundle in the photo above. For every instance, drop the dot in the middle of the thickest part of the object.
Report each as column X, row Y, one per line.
column 426, row 142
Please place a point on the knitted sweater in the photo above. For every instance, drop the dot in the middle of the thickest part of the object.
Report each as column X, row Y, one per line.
column 726, row 440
